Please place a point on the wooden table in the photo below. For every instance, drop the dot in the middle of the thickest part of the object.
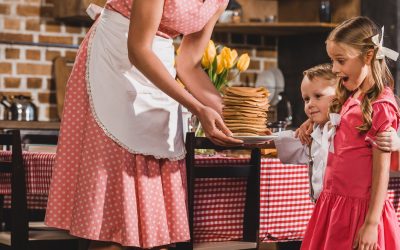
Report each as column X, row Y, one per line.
column 285, row 207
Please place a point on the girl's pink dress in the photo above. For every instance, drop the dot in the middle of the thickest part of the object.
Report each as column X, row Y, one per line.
column 341, row 209
column 99, row 190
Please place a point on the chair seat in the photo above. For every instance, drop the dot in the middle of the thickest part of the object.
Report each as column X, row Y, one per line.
column 39, row 225
column 5, row 237
column 231, row 245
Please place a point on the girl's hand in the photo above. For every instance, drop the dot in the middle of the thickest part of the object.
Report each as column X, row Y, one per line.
column 304, row 132
column 388, row 140
column 215, row 128
column 367, row 237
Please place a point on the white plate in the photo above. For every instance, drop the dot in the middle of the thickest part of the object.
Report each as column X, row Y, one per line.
column 255, row 139
column 267, row 79
column 279, row 85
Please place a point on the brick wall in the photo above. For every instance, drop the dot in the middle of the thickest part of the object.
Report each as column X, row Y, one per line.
column 30, row 39
column 262, row 50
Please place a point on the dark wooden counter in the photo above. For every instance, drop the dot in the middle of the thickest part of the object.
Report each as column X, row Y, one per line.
column 31, row 125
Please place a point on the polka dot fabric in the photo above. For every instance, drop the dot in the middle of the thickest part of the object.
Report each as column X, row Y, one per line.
column 179, row 17
column 100, row 191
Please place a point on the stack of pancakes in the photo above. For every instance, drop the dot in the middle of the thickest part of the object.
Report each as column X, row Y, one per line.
column 245, row 110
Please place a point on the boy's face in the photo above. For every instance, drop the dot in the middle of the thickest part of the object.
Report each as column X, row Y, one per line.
column 317, row 95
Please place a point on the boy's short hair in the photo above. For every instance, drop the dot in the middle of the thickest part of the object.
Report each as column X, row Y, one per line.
column 322, row 70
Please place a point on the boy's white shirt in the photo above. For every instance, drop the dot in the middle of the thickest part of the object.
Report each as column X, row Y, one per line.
column 291, row 151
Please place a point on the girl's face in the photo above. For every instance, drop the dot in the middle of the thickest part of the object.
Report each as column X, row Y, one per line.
column 348, row 65
column 317, row 95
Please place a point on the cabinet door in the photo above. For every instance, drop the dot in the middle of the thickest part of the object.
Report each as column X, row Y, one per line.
column 74, row 8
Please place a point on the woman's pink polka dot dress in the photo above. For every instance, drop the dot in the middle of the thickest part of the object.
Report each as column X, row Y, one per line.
column 99, row 190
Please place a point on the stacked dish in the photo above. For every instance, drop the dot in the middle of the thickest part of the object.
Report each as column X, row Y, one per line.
column 272, row 79
column 245, row 110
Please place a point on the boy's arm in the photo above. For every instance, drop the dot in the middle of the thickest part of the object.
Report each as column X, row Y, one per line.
column 388, row 140
column 290, row 150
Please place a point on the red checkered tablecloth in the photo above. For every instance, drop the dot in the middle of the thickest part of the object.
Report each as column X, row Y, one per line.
column 285, row 206
column 219, row 203
column 38, row 174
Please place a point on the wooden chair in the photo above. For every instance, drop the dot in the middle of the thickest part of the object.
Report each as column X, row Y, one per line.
column 252, row 205
column 62, row 70
column 17, row 233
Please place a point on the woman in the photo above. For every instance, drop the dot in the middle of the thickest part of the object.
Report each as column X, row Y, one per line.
column 119, row 178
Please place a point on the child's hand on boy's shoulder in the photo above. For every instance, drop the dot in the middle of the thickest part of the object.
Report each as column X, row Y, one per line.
column 304, row 132
column 388, row 140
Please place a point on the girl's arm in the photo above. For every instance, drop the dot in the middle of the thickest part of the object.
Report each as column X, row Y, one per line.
column 388, row 140
column 368, row 233
column 145, row 19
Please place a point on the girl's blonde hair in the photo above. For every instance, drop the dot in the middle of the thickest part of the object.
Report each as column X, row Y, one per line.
column 322, row 71
column 357, row 33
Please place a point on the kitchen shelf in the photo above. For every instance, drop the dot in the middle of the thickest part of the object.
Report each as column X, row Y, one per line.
column 275, row 28
column 31, row 125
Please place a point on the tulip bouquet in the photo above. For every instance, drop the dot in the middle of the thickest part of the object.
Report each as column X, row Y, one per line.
column 219, row 65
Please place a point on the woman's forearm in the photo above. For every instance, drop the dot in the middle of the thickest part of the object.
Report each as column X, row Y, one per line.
column 380, row 180
column 199, row 85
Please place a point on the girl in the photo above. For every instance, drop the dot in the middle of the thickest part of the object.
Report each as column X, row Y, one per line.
column 119, row 178
column 352, row 210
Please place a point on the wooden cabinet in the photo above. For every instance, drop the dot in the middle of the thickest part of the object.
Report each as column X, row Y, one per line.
column 308, row 10
column 74, row 11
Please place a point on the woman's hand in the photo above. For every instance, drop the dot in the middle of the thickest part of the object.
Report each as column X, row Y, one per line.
column 388, row 140
column 215, row 128
column 304, row 132
column 367, row 237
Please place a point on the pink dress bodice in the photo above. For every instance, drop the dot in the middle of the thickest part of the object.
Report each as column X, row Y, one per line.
column 353, row 154
column 179, row 17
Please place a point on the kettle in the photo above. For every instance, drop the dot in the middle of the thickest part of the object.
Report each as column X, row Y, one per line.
column 19, row 108
column 284, row 109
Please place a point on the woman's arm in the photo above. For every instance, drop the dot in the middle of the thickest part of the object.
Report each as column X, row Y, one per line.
column 368, row 234
column 189, row 67
column 145, row 19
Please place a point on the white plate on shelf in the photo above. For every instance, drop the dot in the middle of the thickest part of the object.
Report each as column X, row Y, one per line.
column 279, row 84
column 255, row 139
column 267, row 79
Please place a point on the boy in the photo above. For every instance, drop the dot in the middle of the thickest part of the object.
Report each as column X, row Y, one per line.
column 317, row 90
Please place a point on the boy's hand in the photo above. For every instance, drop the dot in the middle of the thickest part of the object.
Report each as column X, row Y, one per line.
column 388, row 140
column 304, row 132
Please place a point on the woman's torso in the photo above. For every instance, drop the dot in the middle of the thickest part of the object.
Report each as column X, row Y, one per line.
column 179, row 17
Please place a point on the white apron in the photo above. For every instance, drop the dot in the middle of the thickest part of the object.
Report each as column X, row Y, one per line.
column 127, row 106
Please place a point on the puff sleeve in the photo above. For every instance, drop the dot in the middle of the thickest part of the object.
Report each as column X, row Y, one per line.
column 384, row 116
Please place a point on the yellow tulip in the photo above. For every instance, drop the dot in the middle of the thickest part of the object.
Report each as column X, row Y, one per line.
column 228, row 57
column 204, row 61
column 234, row 54
column 243, row 62
column 220, row 64
column 210, row 51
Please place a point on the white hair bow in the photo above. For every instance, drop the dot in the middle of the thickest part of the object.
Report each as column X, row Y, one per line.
column 383, row 51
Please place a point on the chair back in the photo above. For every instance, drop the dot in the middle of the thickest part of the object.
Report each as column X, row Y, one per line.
column 19, row 211
column 251, row 171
